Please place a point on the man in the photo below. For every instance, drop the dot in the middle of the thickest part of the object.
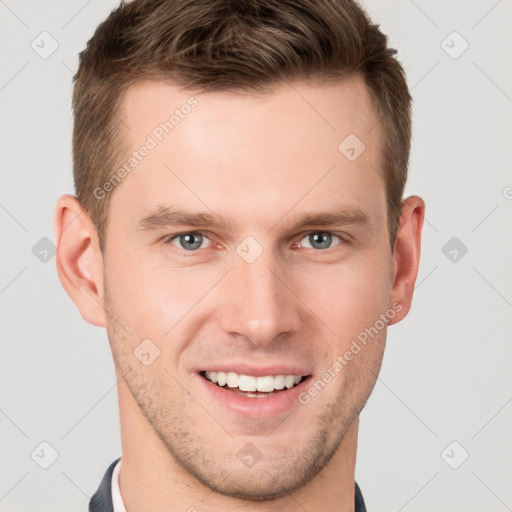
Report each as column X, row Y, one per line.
column 240, row 232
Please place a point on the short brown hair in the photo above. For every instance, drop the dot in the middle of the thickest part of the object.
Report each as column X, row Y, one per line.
column 237, row 45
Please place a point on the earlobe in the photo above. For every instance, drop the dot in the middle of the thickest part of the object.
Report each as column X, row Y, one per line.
column 406, row 254
column 79, row 259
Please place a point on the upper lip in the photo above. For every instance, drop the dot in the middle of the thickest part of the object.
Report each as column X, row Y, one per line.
column 256, row 371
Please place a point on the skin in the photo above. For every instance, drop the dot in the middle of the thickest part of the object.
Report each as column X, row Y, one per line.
column 260, row 161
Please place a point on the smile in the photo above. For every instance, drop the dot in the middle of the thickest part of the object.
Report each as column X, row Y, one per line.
column 252, row 386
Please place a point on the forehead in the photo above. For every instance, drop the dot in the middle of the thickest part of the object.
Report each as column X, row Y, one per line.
column 329, row 109
column 296, row 146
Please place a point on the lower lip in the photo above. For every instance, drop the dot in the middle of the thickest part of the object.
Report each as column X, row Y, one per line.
column 270, row 406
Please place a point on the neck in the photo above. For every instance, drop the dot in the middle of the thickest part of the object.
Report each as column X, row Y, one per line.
column 151, row 479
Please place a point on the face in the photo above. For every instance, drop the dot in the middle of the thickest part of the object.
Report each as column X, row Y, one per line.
column 245, row 245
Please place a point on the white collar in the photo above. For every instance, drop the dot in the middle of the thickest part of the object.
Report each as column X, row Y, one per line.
column 117, row 500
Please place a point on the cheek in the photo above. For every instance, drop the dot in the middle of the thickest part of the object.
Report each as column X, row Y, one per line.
column 350, row 300
column 153, row 298
column 350, row 304
column 347, row 298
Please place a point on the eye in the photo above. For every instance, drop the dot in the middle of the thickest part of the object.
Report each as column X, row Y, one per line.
column 320, row 239
column 189, row 241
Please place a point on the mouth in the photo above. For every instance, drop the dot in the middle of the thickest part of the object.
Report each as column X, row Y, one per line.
column 252, row 386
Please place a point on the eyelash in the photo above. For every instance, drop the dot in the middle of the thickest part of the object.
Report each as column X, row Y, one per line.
column 343, row 240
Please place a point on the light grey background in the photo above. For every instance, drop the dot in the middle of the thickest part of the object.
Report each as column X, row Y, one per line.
column 446, row 374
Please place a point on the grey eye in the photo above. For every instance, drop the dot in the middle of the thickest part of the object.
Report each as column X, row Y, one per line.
column 320, row 239
column 189, row 241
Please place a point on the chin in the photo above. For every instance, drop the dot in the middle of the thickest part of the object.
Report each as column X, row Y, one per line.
column 257, row 485
column 274, row 476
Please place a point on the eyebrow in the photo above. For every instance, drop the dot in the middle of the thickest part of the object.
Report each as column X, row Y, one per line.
column 340, row 216
column 168, row 216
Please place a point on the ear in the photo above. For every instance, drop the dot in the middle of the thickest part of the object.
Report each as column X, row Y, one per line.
column 406, row 255
column 79, row 259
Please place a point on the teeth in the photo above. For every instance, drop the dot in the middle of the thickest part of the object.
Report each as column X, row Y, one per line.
column 265, row 384
column 249, row 383
column 289, row 380
column 232, row 379
column 279, row 381
column 221, row 378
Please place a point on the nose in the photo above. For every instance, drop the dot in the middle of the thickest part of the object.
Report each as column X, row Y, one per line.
column 259, row 303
